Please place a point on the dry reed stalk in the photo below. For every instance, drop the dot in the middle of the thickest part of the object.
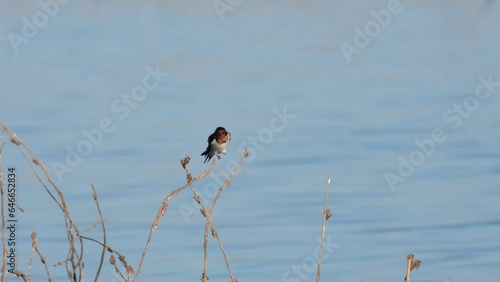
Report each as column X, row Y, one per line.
column 204, row 213
column 42, row 259
column 112, row 258
column 209, row 219
column 412, row 264
column 2, row 188
column 74, row 257
column 33, row 246
column 163, row 209
column 103, row 231
column 408, row 267
column 112, row 261
column 21, row 276
column 326, row 215
column 207, row 215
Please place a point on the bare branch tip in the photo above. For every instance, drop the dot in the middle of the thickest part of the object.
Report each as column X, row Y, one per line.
column 185, row 161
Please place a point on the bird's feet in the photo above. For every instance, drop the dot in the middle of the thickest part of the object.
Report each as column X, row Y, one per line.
column 219, row 155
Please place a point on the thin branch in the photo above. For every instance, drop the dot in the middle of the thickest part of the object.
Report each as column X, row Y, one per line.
column 42, row 259
column 411, row 264
column 70, row 225
column 108, row 248
column 227, row 182
column 33, row 245
column 326, row 215
column 408, row 267
column 203, row 210
column 205, row 252
column 112, row 261
column 163, row 209
column 208, row 216
column 103, row 231
column 21, row 275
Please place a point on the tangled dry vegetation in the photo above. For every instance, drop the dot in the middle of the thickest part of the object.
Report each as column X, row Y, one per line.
column 76, row 240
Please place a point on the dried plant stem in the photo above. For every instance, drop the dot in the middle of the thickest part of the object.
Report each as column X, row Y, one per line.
column 326, row 215
column 103, row 233
column 205, row 254
column 412, row 264
column 163, row 209
column 226, row 183
column 408, row 267
column 108, row 248
column 216, row 235
column 21, row 276
column 33, row 245
column 74, row 257
column 214, row 232
column 112, row 259
column 204, row 212
column 42, row 259
column 2, row 188
column 209, row 219
column 209, row 222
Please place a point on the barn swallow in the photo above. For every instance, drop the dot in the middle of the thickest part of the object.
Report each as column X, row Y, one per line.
column 217, row 142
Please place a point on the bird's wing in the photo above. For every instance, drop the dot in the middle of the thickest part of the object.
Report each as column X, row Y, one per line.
column 211, row 138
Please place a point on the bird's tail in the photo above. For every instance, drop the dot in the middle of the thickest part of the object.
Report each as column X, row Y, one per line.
column 206, row 155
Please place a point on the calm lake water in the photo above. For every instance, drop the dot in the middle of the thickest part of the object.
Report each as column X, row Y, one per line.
column 398, row 102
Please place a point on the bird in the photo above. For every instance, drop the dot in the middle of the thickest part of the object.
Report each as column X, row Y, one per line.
column 217, row 142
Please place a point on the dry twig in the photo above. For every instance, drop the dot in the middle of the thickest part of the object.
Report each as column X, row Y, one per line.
column 103, row 232
column 74, row 259
column 411, row 264
column 163, row 209
column 208, row 220
column 326, row 215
